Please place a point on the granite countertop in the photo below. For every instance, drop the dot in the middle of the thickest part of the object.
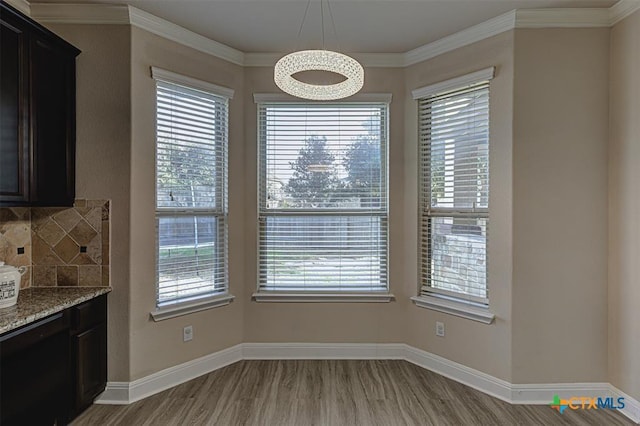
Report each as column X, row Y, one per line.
column 39, row 302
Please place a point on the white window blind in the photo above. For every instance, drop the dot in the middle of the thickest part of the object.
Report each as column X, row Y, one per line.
column 191, row 193
column 323, row 210
column 454, row 192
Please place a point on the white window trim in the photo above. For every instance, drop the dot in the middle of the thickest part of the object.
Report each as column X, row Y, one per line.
column 260, row 98
column 179, row 309
column 183, row 80
column 455, row 307
column 454, row 83
column 319, row 297
column 373, row 297
column 216, row 300
column 439, row 302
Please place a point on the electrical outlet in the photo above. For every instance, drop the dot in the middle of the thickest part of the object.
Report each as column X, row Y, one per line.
column 187, row 333
column 439, row 329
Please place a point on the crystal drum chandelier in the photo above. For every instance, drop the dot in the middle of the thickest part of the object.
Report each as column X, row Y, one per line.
column 318, row 60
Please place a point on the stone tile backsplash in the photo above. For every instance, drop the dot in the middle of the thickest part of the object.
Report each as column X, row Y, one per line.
column 59, row 246
column 15, row 239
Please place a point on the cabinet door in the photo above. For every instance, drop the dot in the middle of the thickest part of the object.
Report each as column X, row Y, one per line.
column 91, row 365
column 14, row 109
column 34, row 373
column 53, row 123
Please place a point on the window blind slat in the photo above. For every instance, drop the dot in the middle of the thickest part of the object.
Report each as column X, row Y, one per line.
column 323, row 197
column 454, row 177
column 191, row 173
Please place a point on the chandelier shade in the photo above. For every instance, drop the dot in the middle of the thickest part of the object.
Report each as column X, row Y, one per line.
column 318, row 60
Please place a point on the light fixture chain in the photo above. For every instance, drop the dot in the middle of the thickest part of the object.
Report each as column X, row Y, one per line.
column 322, row 22
column 304, row 17
column 333, row 24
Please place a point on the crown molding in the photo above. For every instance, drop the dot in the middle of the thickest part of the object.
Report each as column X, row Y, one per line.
column 51, row 13
column 171, row 31
column 22, row 5
column 622, row 9
column 494, row 26
column 380, row 60
column 562, row 18
column 125, row 15
column 524, row 18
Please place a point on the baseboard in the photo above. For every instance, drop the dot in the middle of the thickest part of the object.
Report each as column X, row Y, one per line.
column 126, row 393
column 460, row 373
column 543, row 393
column 116, row 393
column 323, row 351
column 631, row 405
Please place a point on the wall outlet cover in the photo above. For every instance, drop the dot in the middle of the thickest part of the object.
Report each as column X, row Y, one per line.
column 439, row 329
column 187, row 333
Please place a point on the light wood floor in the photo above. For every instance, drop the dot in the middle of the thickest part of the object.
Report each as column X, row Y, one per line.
column 350, row 393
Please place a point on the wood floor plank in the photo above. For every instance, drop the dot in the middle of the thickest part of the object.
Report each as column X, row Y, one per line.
column 331, row 392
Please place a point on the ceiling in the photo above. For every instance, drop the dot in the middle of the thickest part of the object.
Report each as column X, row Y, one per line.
column 381, row 26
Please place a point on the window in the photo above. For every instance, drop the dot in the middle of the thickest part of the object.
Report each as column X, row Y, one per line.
column 191, row 189
column 323, row 210
column 454, row 188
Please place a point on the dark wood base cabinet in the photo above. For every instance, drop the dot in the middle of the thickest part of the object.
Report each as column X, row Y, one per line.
column 52, row 370
column 88, row 353
column 34, row 373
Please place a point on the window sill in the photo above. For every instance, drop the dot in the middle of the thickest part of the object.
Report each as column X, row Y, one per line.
column 179, row 309
column 323, row 297
column 451, row 307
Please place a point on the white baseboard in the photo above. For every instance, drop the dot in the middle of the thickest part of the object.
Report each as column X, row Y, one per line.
column 323, row 351
column 460, row 373
column 543, row 393
column 126, row 393
column 631, row 406
column 116, row 393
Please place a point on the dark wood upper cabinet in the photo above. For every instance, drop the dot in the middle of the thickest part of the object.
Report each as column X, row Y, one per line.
column 37, row 122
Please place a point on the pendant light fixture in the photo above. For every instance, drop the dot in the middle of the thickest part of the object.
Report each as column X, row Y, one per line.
column 318, row 60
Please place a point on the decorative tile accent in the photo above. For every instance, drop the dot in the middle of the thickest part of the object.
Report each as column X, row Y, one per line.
column 43, row 253
column 83, row 259
column 50, row 232
column 82, row 233
column 67, row 249
column 67, row 219
column 94, row 249
column 94, row 217
column 48, row 240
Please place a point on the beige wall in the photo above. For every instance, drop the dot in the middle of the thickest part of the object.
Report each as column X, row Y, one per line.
column 560, row 111
column 624, row 207
column 103, row 158
column 484, row 347
column 547, row 236
column 158, row 345
column 329, row 322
